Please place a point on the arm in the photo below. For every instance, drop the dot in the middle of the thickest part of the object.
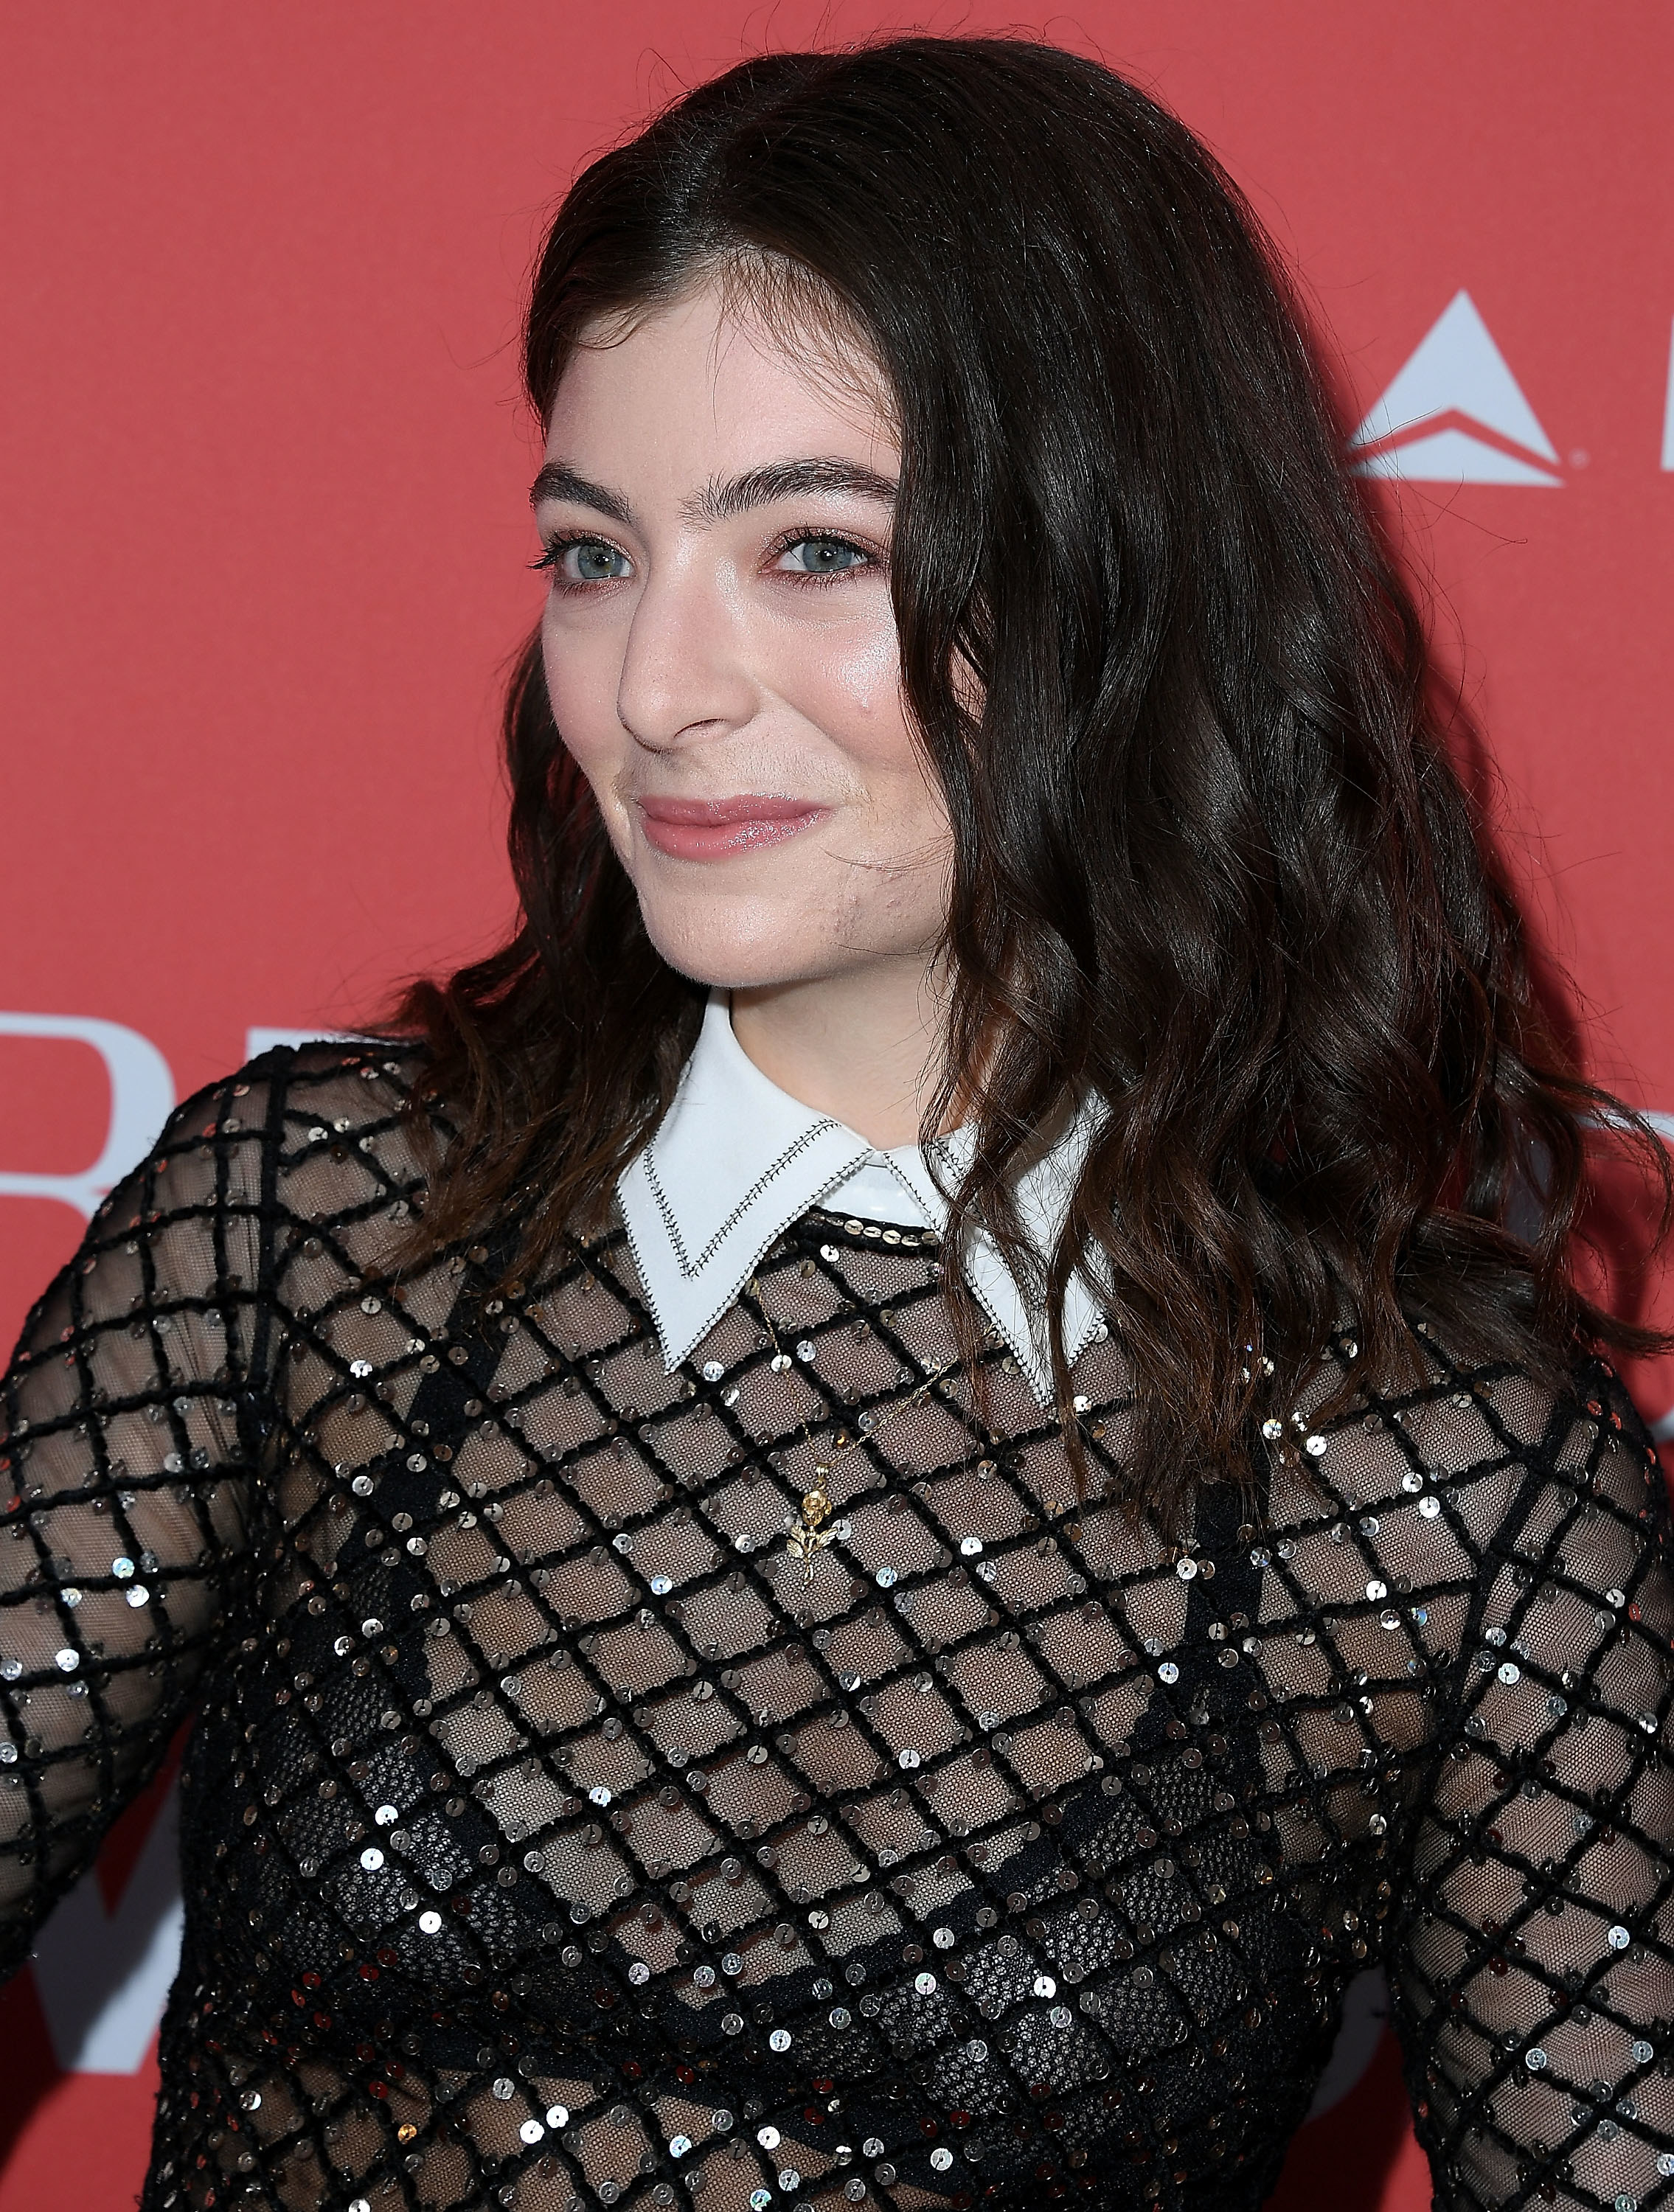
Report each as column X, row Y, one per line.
column 130, row 1421
column 1534, row 1974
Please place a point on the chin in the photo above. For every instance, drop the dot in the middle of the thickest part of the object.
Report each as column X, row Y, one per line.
column 780, row 951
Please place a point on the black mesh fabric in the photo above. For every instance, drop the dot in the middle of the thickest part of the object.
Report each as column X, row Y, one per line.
column 551, row 1839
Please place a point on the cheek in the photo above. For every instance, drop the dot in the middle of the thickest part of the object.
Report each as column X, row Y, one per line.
column 854, row 693
column 845, row 681
column 582, row 670
column 896, row 846
column 865, row 674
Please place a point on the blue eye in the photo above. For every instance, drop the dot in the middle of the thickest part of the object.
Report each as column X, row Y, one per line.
column 596, row 563
column 575, row 561
column 824, row 556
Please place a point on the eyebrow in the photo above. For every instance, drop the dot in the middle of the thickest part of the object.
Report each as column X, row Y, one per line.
column 722, row 496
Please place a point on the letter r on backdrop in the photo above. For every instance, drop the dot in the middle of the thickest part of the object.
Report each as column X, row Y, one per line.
column 142, row 1094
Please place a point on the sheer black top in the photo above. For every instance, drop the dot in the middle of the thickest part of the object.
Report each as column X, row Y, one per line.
column 551, row 1839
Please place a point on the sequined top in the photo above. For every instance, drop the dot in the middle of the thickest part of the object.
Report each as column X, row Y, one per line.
column 552, row 1840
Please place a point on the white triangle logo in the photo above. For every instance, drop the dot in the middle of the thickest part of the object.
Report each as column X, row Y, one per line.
column 1430, row 425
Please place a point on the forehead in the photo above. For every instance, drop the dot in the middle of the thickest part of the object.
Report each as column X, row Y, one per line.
column 710, row 374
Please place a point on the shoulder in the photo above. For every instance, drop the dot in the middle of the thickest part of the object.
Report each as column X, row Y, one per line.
column 235, row 1144
column 348, row 1127
column 357, row 1081
column 329, row 1142
column 1548, row 1420
column 1495, row 1450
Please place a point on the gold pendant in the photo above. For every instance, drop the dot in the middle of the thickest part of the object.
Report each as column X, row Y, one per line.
column 806, row 1542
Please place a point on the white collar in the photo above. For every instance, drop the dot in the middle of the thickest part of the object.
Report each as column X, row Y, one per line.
column 736, row 1160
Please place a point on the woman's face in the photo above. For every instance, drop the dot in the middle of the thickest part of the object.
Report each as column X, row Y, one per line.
column 721, row 654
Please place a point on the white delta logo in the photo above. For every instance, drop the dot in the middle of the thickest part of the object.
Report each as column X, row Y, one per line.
column 1455, row 414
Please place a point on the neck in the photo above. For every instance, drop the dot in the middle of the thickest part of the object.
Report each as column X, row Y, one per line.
column 865, row 1048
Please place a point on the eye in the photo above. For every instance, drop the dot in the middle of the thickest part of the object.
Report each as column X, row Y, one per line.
column 817, row 556
column 579, row 561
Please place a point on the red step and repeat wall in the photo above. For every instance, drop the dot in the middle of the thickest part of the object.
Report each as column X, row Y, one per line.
column 262, row 546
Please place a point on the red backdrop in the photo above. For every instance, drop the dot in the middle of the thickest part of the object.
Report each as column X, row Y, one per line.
column 260, row 563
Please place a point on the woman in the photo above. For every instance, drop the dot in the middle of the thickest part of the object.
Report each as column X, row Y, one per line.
column 854, row 1524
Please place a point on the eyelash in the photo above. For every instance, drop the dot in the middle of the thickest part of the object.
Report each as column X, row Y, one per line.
column 557, row 547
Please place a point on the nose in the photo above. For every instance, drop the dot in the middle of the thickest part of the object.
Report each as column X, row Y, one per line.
column 684, row 674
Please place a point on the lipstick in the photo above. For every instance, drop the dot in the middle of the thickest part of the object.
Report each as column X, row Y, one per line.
column 717, row 828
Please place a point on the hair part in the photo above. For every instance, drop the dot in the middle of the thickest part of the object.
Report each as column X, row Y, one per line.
column 1212, row 862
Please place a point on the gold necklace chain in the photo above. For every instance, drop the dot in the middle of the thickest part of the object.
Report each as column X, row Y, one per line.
column 811, row 1536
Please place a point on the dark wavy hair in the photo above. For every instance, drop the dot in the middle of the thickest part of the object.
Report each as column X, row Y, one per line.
column 1212, row 862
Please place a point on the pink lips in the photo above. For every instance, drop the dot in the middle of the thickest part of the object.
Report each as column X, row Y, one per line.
column 714, row 829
